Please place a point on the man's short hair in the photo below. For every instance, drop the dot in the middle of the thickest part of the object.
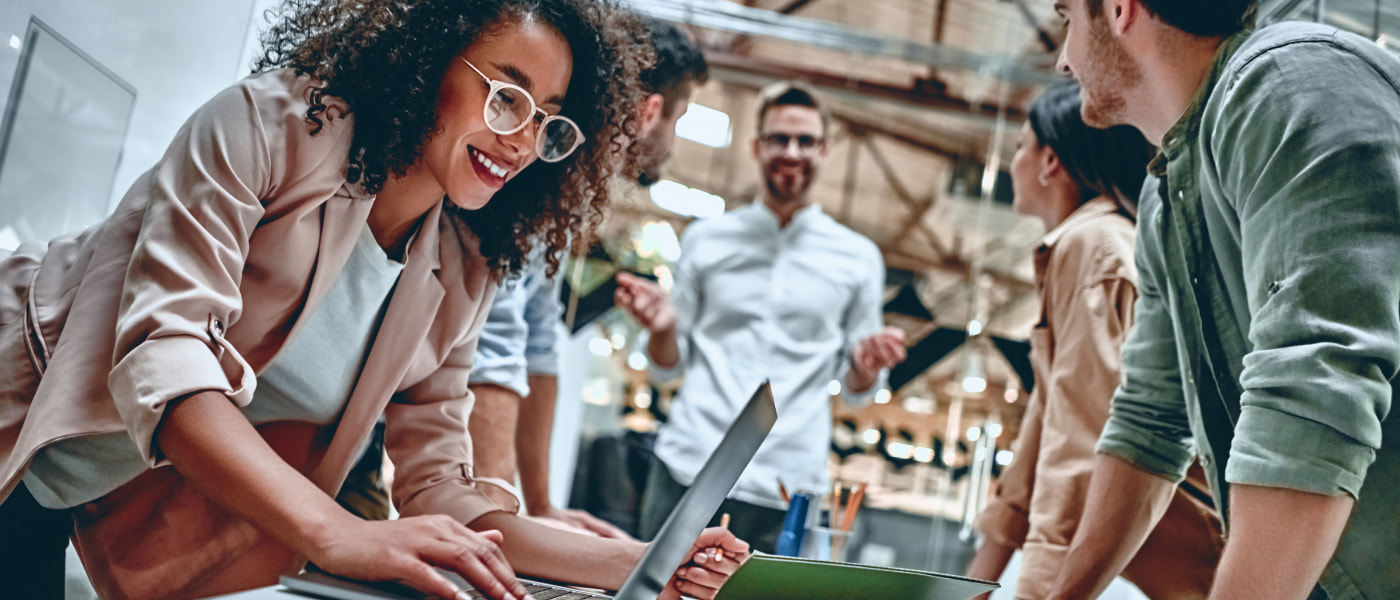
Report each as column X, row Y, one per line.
column 679, row 65
column 1205, row 18
column 791, row 93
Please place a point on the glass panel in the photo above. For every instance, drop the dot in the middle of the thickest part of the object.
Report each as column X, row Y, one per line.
column 60, row 141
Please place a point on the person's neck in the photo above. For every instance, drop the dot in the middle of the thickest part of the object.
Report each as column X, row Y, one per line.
column 398, row 208
column 1171, row 79
column 786, row 210
column 1062, row 203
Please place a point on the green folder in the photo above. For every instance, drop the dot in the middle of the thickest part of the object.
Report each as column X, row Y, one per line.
column 768, row 577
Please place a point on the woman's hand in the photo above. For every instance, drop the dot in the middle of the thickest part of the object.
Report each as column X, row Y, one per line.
column 407, row 550
column 705, row 574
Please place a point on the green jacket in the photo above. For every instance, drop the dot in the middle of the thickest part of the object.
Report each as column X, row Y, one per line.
column 1268, row 323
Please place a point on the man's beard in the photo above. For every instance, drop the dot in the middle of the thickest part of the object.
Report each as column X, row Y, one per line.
column 649, row 162
column 1104, row 103
column 783, row 194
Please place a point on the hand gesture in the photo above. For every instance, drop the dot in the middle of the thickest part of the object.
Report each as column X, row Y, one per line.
column 704, row 574
column 878, row 351
column 407, row 550
column 646, row 302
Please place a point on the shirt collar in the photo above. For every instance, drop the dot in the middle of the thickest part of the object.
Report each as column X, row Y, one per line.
column 1089, row 210
column 801, row 218
column 1186, row 128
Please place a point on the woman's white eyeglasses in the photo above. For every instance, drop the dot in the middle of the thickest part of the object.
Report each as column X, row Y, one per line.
column 509, row 108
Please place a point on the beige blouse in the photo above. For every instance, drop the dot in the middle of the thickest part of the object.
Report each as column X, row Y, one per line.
column 1087, row 283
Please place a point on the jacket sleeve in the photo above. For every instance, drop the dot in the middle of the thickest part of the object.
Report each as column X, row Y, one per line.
column 181, row 287
column 1317, row 193
column 427, row 440
column 1148, row 425
column 1006, row 517
column 1090, row 310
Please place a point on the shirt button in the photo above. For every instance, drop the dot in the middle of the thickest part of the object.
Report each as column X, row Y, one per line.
column 1180, row 195
column 218, row 328
column 1205, row 461
column 1194, row 281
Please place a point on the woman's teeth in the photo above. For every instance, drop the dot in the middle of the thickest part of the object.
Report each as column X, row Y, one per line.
column 491, row 166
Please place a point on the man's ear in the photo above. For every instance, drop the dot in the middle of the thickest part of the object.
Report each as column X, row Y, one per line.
column 1122, row 15
column 650, row 113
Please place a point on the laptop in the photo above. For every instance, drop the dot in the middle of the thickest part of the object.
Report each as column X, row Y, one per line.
column 665, row 554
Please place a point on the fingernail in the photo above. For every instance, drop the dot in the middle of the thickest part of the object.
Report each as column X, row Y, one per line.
column 462, row 595
column 702, row 557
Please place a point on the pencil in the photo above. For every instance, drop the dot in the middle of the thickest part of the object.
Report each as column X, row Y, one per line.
column 718, row 552
column 852, row 505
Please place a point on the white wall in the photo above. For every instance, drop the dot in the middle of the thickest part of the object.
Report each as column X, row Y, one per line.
column 176, row 53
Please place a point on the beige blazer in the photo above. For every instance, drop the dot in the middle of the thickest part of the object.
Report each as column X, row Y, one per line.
column 195, row 283
column 1088, row 284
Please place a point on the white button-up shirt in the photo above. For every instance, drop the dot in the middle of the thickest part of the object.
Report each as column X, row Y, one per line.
column 757, row 301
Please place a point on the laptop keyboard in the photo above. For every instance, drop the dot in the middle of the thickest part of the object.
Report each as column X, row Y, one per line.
column 547, row 592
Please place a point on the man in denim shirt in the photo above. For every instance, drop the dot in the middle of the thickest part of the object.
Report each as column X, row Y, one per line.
column 1268, row 323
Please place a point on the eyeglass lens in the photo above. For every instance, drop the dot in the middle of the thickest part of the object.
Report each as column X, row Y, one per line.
column 780, row 141
column 509, row 107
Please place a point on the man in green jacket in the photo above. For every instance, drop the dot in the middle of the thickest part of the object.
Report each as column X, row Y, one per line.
column 1268, row 324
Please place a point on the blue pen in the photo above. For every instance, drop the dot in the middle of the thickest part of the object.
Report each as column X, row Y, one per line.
column 794, row 525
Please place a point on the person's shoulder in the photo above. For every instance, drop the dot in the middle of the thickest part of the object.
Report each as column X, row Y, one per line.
column 850, row 240
column 1101, row 239
column 732, row 221
column 1307, row 46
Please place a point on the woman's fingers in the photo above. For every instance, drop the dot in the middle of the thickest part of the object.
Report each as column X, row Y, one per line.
column 721, row 569
column 693, row 590
column 426, row 579
column 479, row 568
column 702, row 577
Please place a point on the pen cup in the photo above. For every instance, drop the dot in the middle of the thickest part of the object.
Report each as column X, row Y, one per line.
column 825, row 543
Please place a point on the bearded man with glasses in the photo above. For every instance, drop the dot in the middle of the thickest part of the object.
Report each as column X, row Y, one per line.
column 774, row 290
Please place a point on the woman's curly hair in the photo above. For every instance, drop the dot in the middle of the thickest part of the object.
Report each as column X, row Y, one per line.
column 386, row 60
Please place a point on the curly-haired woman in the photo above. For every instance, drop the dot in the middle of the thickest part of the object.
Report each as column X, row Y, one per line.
column 184, row 386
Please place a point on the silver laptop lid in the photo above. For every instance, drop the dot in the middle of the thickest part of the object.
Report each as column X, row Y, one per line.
column 675, row 538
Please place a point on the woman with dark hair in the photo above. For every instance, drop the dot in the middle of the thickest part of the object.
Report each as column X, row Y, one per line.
column 1082, row 184
column 184, row 386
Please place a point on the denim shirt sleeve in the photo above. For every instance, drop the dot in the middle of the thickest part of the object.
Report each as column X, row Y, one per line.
column 1148, row 424
column 500, row 352
column 1307, row 148
column 542, row 315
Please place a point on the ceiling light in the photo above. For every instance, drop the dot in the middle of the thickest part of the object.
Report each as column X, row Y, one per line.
column 872, row 436
column 704, row 125
column 686, row 201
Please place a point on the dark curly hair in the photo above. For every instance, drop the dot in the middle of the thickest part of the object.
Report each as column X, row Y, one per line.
column 386, row 60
